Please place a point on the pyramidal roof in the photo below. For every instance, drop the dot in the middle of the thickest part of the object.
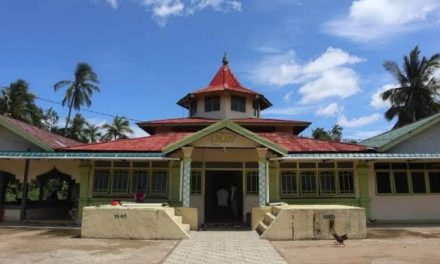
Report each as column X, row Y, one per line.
column 225, row 80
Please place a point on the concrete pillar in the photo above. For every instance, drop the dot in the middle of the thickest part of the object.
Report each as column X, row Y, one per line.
column 84, row 187
column 24, row 191
column 364, row 195
column 186, row 192
column 262, row 175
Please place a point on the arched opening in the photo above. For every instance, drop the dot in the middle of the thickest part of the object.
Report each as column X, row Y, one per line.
column 5, row 179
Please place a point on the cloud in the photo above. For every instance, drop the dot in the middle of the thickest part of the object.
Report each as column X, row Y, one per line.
column 113, row 3
column 328, row 75
column 162, row 10
column 338, row 82
column 369, row 20
column 288, row 96
column 286, row 111
column 376, row 99
column 358, row 121
column 329, row 110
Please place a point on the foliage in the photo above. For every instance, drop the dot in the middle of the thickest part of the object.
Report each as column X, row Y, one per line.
column 118, row 129
column 80, row 90
column 92, row 133
column 335, row 133
column 416, row 95
column 76, row 130
column 17, row 102
column 50, row 119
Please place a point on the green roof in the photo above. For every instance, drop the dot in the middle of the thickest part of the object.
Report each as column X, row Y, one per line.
column 393, row 137
column 81, row 155
column 361, row 156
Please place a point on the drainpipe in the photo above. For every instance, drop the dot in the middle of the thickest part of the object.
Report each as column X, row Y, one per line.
column 24, row 191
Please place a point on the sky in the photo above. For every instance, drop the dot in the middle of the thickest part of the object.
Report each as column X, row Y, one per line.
column 317, row 60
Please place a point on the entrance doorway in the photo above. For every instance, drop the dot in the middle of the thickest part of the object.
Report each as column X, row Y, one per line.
column 219, row 207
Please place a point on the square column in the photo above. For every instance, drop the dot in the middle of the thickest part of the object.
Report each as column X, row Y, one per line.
column 186, row 182
column 84, row 187
column 262, row 183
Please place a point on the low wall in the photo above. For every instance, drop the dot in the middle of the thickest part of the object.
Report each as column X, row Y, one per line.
column 297, row 222
column 131, row 222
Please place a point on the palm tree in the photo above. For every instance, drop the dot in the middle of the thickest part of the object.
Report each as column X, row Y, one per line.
column 76, row 130
column 118, row 129
column 17, row 102
column 92, row 133
column 417, row 93
column 79, row 91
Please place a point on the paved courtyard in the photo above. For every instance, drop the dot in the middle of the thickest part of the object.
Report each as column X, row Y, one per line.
column 224, row 247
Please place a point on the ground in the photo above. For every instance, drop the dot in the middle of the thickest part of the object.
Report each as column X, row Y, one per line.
column 63, row 245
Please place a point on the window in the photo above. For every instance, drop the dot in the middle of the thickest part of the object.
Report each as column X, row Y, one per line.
column 196, row 182
column 139, row 180
column 193, row 108
column 308, row 182
column 327, row 182
column 346, row 185
column 124, row 178
column 288, row 182
column 212, row 103
column 120, row 181
column 238, row 103
column 159, row 182
column 407, row 178
column 101, row 180
column 317, row 179
column 401, row 182
column 383, row 182
column 418, row 182
column 434, row 182
column 252, row 182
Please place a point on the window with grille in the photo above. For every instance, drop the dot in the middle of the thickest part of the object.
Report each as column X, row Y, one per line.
column 327, row 181
column 101, row 180
column 238, row 103
column 139, row 180
column 346, row 185
column 120, row 181
column 401, row 182
column 212, row 103
column 196, row 182
column 308, row 182
column 159, row 182
column 288, row 183
column 434, row 182
column 252, row 182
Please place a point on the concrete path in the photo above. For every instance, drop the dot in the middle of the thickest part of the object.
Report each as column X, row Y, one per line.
column 229, row 247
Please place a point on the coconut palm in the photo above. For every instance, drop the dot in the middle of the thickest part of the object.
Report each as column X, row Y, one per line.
column 92, row 133
column 76, row 130
column 80, row 90
column 416, row 95
column 118, row 129
column 17, row 102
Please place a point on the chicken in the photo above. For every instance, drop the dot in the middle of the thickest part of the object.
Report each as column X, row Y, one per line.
column 340, row 239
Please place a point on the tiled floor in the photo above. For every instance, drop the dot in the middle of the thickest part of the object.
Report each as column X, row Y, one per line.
column 230, row 247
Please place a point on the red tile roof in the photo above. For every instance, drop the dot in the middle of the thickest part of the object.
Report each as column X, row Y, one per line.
column 155, row 143
column 43, row 136
column 225, row 79
column 302, row 144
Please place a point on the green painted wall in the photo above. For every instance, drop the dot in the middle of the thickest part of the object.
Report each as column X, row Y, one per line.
column 364, row 196
column 175, row 180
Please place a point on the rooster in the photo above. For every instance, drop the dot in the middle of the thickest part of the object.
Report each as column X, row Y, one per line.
column 340, row 239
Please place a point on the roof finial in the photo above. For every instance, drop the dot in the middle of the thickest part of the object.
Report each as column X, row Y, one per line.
column 225, row 60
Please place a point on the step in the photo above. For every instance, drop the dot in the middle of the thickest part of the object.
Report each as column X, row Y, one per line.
column 276, row 210
column 178, row 219
column 268, row 218
column 261, row 228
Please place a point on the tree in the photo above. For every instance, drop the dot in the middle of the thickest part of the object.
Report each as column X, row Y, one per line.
column 79, row 91
column 76, row 130
column 92, row 133
column 333, row 134
column 416, row 95
column 118, row 129
column 50, row 119
column 17, row 102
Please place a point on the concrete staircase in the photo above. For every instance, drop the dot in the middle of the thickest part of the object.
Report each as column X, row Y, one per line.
column 177, row 219
column 267, row 220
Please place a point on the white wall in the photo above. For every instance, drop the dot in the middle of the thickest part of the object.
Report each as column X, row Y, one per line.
column 402, row 207
column 427, row 141
column 12, row 142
